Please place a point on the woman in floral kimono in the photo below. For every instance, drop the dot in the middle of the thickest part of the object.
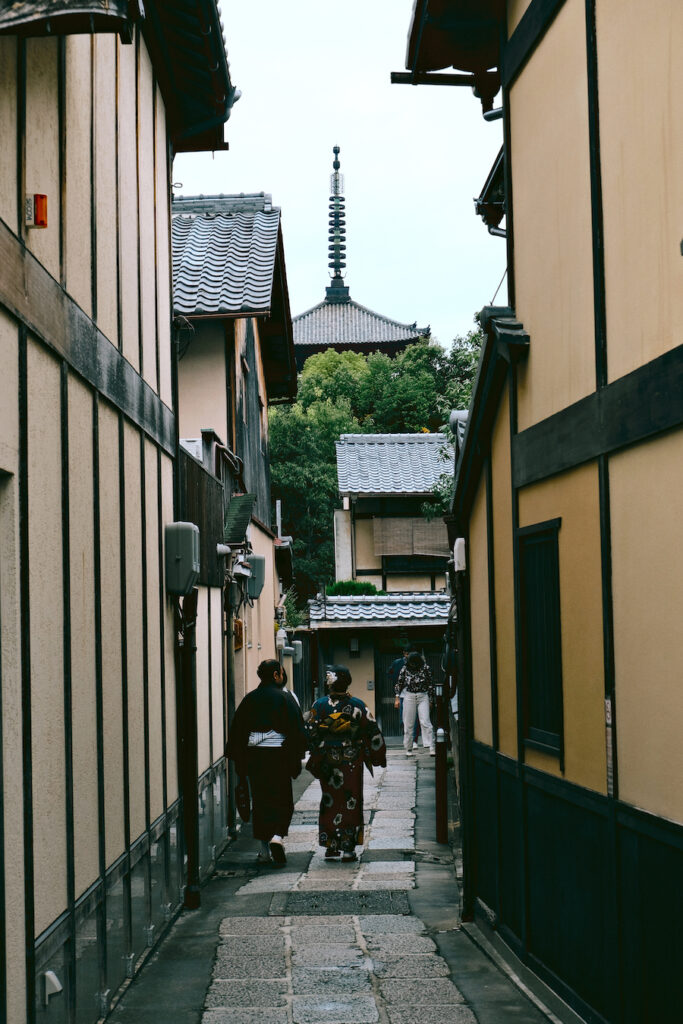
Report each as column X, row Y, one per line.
column 343, row 738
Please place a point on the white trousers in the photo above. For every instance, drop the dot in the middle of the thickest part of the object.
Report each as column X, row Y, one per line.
column 416, row 704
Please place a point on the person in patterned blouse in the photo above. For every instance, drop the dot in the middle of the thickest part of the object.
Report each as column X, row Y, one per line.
column 343, row 738
column 417, row 689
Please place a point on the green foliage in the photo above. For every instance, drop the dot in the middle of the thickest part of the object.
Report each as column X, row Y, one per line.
column 294, row 616
column 347, row 393
column 349, row 588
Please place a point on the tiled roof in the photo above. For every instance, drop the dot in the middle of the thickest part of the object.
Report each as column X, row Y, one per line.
column 331, row 323
column 392, row 609
column 224, row 252
column 392, row 463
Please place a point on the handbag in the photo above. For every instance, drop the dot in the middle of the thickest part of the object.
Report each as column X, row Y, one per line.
column 243, row 797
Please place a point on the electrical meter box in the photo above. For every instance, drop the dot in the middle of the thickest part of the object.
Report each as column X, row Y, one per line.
column 182, row 557
column 257, row 579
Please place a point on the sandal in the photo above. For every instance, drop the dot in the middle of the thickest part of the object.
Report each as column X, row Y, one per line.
column 331, row 854
column 348, row 858
column 277, row 852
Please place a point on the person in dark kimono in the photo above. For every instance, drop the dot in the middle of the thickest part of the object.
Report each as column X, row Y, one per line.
column 344, row 738
column 267, row 742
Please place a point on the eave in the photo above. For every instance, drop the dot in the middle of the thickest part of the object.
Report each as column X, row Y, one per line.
column 490, row 205
column 185, row 41
column 505, row 342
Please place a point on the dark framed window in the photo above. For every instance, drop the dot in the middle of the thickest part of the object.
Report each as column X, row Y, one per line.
column 541, row 641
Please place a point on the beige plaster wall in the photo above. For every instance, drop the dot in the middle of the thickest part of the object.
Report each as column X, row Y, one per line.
column 362, row 668
column 146, row 213
column 553, row 246
column 574, row 497
column 365, row 546
column 479, row 611
column 154, row 573
column 112, row 693
column 12, row 857
column 259, row 620
column 504, row 592
column 646, row 492
column 78, row 171
column 105, row 182
column 128, row 205
column 163, row 248
column 46, row 636
column 169, row 634
column 342, row 544
column 202, row 386
column 8, row 131
column 515, row 10
column 420, row 584
column 641, row 153
column 217, row 678
column 82, row 577
column 42, row 147
column 203, row 719
column 134, row 638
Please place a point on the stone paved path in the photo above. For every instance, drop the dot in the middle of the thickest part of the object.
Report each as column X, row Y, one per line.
column 378, row 940
column 338, row 968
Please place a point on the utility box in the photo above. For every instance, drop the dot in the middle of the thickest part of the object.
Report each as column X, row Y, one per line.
column 298, row 655
column 182, row 557
column 258, row 575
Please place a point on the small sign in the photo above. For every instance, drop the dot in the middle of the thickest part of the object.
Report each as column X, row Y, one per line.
column 371, row 684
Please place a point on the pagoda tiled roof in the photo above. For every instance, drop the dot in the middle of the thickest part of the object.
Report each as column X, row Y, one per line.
column 331, row 323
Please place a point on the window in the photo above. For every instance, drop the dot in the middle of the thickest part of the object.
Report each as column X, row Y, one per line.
column 541, row 648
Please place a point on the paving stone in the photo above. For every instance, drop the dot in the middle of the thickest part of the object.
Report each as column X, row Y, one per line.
column 251, row 926
column 323, row 921
column 392, row 843
column 347, row 1010
column 392, row 945
column 323, row 981
column 327, row 885
column 381, row 867
column 246, row 993
column 268, row 966
column 245, row 1016
column 390, row 924
column 431, row 1015
column 382, row 884
column 311, row 936
column 435, row 991
column 332, row 954
column 241, row 945
column 425, row 965
column 277, row 881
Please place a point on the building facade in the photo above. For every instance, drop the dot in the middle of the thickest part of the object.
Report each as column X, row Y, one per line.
column 382, row 538
column 94, row 101
column 567, row 495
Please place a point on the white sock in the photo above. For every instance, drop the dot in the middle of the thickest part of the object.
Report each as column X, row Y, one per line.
column 276, row 839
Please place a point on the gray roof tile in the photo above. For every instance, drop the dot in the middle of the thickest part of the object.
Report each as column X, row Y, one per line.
column 331, row 323
column 392, row 463
column 392, row 609
column 224, row 251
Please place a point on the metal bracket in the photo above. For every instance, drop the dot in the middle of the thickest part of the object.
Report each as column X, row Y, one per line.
column 130, row 964
column 150, row 936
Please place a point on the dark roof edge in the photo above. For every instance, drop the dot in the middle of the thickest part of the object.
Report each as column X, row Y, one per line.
column 505, row 342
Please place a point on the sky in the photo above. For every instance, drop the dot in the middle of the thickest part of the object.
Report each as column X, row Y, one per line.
column 314, row 74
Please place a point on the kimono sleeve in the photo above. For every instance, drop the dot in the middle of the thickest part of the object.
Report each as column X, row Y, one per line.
column 375, row 747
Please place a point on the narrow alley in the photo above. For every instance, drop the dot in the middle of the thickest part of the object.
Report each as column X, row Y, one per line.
column 326, row 943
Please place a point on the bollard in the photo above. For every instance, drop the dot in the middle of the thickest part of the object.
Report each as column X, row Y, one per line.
column 441, row 788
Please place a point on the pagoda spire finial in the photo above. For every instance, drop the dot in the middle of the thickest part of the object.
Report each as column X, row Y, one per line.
column 337, row 292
